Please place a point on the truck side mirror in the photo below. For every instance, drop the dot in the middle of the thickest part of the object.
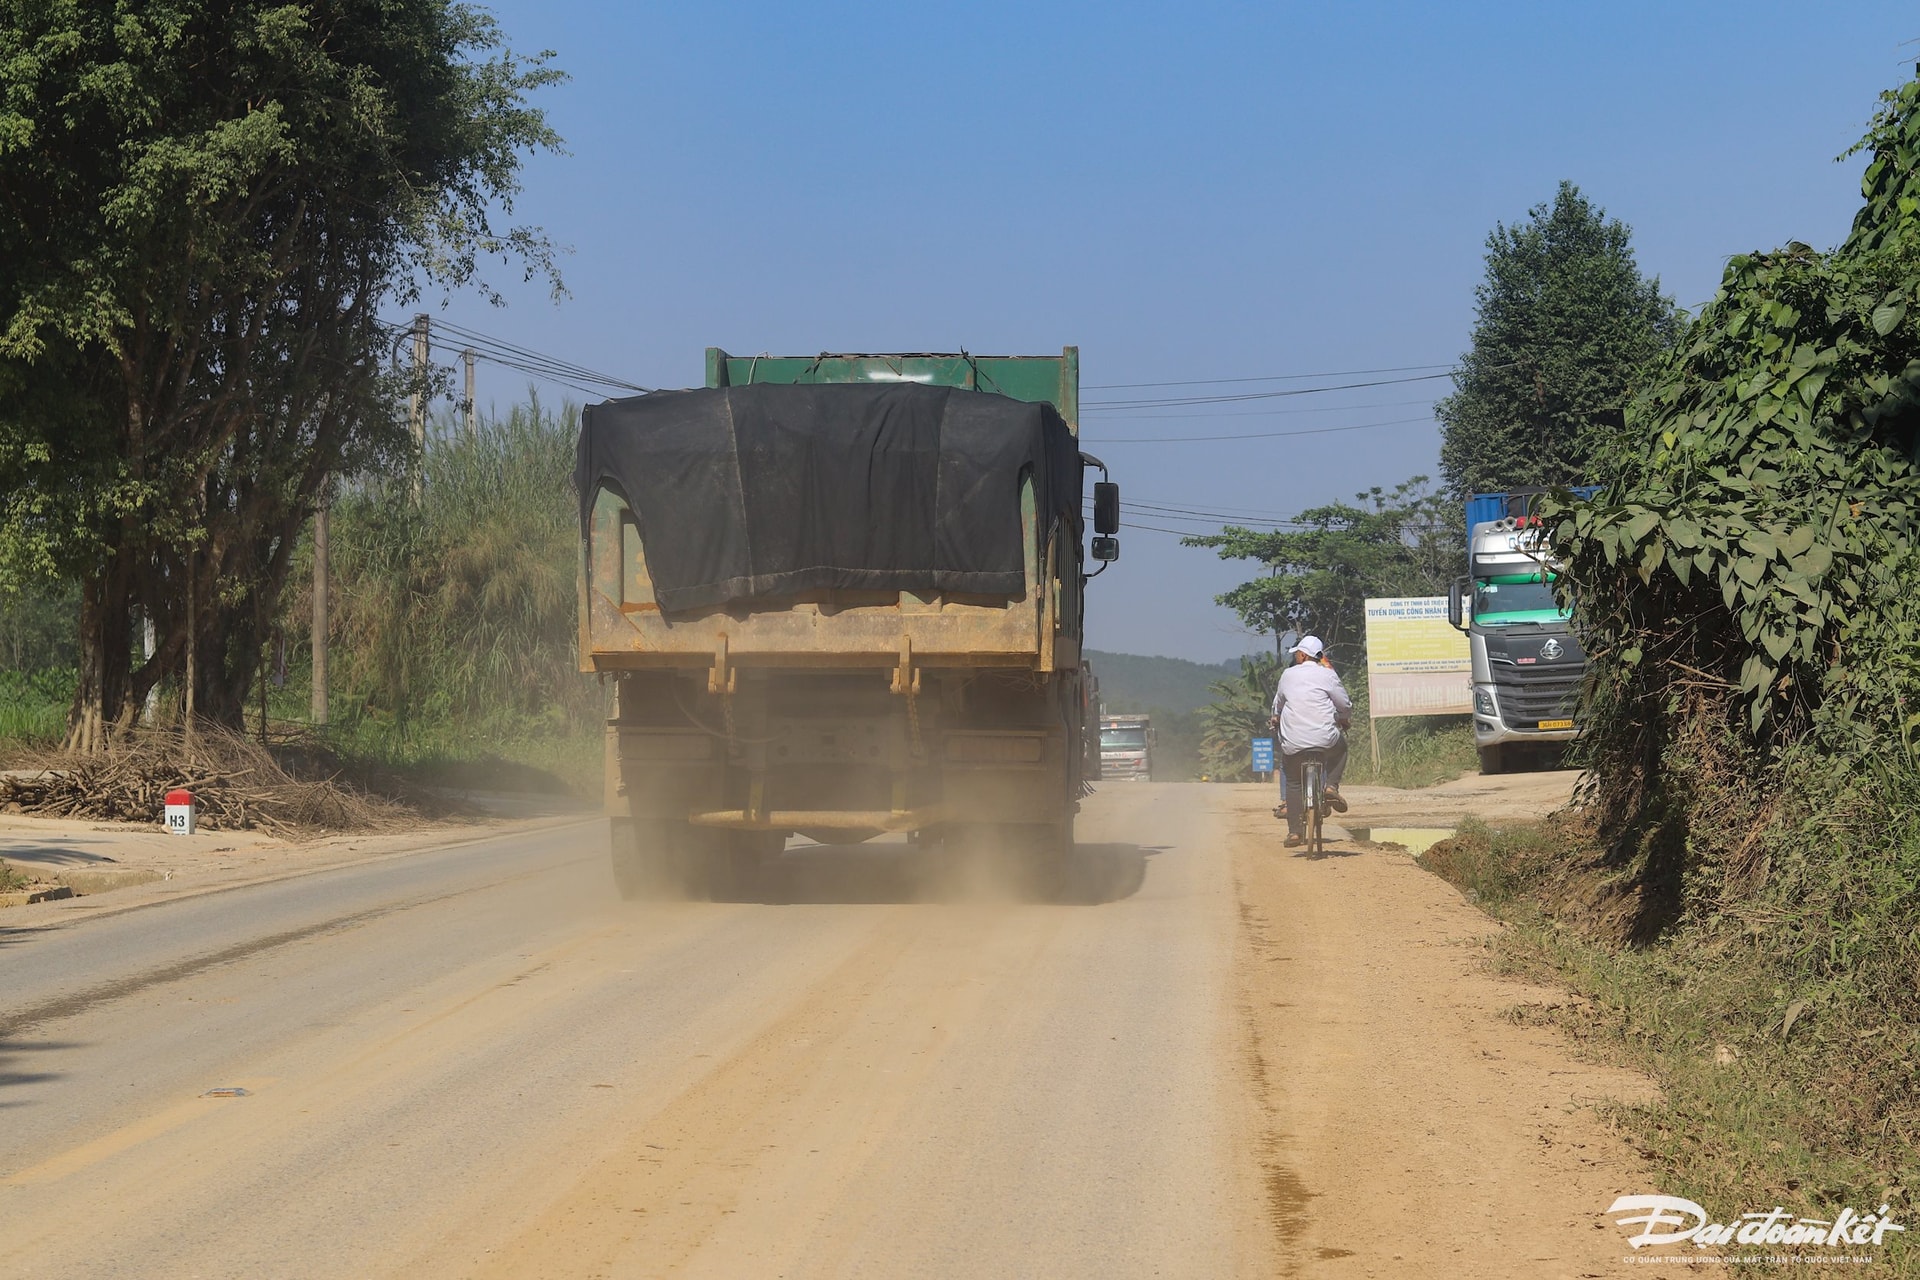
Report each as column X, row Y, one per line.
column 1106, row 548
column 1106, row 511
column 1457, row 605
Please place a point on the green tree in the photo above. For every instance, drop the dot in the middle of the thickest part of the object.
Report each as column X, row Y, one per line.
column 1565, row 322
column 1403, row 542
column 1750, row 575
column 203, row 205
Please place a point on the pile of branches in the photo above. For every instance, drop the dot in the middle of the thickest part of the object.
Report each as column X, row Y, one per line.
column 237, row 784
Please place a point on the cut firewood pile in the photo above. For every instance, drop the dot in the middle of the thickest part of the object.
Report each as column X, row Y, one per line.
column 292, row 789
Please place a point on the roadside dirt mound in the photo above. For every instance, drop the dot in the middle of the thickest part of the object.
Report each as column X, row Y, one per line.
column 1556, row 864
column 237, row 784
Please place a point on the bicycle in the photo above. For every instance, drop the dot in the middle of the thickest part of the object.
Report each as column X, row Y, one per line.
column 1313, row 794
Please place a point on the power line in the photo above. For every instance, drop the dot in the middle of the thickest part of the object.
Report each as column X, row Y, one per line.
column 1264, row 413
column 1190, row 513
column 1170, row 401
column 1178, row 533
column 513, row 351
column 515, row 355
column 1182, row 504
column 1241, row 513
column 525, row 360
column 1257, row 435
column 1275, row 377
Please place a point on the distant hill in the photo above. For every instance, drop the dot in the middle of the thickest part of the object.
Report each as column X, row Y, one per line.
column 1131, row 682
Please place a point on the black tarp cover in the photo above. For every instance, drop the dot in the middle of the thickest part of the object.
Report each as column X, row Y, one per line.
column 778, row 489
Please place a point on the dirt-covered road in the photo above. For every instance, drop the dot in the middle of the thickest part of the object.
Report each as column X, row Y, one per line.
column 1224, row 1060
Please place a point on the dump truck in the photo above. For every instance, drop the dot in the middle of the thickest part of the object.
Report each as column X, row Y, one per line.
column 1527, row 662
column 840, row 596
column 1126, row 748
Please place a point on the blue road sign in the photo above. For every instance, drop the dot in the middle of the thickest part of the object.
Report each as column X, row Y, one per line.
column 1263, row 755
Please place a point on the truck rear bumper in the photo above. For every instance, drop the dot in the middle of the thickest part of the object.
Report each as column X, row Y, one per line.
column 821, row 819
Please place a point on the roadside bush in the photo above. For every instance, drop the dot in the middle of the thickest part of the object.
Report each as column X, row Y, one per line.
column 1748, row 579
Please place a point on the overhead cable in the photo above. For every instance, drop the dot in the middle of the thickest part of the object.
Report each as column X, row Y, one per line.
column 1275, row 377
column 1170, row 401
column 1122, row 415
column 505, row 352
column 525, row 360
column 1257, row 435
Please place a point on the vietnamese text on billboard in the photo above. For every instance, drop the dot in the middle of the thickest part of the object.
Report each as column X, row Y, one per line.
column 1417, row 664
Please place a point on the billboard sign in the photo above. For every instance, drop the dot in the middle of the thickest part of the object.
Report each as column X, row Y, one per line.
column 1417, row 664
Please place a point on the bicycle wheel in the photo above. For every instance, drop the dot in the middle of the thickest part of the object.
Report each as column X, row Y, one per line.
column 1311, row 785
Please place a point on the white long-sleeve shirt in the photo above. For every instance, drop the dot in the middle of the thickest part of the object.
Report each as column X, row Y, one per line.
column 1310, row 702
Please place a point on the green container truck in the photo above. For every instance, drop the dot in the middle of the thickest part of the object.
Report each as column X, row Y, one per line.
column 840, row 596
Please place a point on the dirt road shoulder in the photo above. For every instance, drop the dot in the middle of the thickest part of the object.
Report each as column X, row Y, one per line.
column 1410, row 1127
column 116, row 867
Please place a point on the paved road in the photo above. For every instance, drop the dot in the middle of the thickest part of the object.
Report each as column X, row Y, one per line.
column 478, row 1062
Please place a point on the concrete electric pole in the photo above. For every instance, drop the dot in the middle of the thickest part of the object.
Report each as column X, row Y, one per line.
column 417, row 402
column 320, row 606
column 473, row 420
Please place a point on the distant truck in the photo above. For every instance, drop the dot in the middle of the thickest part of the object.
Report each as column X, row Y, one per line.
column 1126, row 748
column 1527, row 663
column 839, row 596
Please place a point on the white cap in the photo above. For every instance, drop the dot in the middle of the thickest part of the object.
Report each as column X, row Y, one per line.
column 1310, row 646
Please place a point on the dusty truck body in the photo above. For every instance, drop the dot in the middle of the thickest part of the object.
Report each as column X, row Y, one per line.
column 838, row 596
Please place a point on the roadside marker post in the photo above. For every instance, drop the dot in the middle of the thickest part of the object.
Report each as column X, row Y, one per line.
column 179, row 812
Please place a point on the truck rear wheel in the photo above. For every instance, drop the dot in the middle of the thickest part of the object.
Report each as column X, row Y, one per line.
column 1030, row 860
column 1043, row 856
column 735, row 862
column 648, row 861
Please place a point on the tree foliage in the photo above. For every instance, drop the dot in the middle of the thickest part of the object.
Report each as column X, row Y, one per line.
column 1403, row 542
column 1750, row 572
column 1564, row 322
column 202, row 207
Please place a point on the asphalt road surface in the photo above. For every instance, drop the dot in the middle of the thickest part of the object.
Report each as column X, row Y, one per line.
column 478, row 1062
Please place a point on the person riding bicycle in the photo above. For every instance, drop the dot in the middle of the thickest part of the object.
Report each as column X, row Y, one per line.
column 1310, row 708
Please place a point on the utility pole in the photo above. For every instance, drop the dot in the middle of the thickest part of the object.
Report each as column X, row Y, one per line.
column 416, row 403
column 473, row 421
column 193, row 657
column 320, row 606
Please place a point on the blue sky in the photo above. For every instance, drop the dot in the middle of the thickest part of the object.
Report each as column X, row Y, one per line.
column 1185, row 192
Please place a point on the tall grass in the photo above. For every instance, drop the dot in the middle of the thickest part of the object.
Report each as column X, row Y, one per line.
column 34, row 704
column 454, row 630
